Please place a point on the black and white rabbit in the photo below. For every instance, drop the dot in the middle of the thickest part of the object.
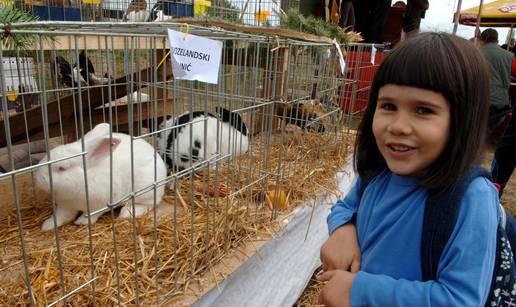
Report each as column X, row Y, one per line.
column 68, row 176
column 174, row 143
column 82, row 72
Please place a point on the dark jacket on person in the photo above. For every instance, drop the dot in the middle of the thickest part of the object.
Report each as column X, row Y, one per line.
column 500, row 62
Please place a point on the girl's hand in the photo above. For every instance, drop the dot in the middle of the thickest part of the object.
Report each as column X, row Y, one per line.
column 341, row 250
column 337, row 291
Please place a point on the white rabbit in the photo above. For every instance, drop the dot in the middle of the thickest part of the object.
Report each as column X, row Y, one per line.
column 68, row 176
column 175, row 143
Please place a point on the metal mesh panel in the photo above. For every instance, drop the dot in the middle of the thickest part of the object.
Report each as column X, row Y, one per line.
column 233, row 152
column 250, row 12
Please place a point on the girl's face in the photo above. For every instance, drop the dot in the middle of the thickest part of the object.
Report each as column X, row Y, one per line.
column 410, row 126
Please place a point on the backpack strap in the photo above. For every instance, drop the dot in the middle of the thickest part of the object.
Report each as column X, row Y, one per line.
column 441, row 212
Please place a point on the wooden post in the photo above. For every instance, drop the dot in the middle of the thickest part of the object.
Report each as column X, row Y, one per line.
column 97, row 97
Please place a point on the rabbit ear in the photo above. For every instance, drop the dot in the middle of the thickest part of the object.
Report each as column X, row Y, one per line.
column 85, row 63
column 233, row 119
column 98, row 131
column 99, row 147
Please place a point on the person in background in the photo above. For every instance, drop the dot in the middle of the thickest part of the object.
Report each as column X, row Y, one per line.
column 415, row 11
column 370, row 18
column 509, row 46
column 500, row 62
column 504, row 160
column 347, row 14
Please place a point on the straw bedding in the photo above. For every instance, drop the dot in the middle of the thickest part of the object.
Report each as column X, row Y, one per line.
column 310, row 297
column 195, row 231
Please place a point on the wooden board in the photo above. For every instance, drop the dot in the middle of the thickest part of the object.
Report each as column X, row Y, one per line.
column 141, row 112
column 254, row 30
column 92, row 42
column 63, row 112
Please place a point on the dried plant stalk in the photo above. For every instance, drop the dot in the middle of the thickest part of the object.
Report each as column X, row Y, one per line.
column 186, row 241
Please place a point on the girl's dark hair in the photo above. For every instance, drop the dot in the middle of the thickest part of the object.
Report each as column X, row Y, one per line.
column 445, row 64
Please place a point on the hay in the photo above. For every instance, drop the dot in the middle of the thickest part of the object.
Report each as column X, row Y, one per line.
column 310, row 297
column 198, row 231
column 24, row 190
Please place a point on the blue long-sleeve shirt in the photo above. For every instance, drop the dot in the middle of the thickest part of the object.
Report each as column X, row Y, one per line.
column 389, row 220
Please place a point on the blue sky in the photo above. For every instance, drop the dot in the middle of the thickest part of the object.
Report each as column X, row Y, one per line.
column 439, row 17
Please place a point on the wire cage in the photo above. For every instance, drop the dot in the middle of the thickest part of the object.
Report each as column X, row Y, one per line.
column 152, row 10
column 265, row 13
column 20, row 83
column 249, row 12
column 59, row 10
column 184, row 172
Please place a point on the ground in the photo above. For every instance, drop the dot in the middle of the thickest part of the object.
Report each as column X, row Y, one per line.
column 309, row 297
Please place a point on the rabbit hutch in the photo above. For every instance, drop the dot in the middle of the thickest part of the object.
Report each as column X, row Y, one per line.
column 249, row 12
column 270, row 135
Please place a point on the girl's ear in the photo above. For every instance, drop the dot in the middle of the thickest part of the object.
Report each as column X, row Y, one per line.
column 99, row 147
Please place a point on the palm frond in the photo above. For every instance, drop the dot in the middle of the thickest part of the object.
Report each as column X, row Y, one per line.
column 12, row 40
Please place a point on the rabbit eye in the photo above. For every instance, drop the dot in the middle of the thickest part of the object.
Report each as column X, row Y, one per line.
column 61, row 168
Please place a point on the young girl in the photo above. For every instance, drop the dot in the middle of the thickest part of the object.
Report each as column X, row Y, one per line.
column 422, row 129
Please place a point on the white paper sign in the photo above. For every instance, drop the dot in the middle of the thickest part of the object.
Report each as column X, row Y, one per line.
column 194, row 57
column 373, row 55
column 341, row 57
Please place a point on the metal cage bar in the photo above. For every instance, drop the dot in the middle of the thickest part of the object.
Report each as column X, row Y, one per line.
column 285, row 106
